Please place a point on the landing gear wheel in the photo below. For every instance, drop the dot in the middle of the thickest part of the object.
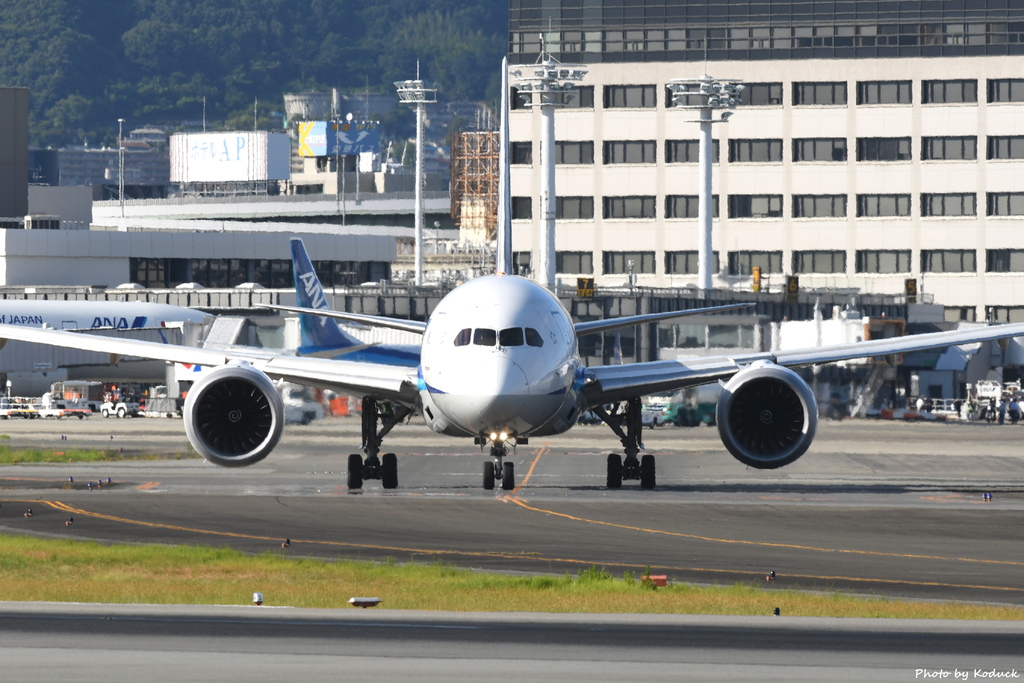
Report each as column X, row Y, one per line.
column 389, row 471
column 355, row 471
column 648, row 477
column 614, row 471
column 508, row 476
column 488, row 476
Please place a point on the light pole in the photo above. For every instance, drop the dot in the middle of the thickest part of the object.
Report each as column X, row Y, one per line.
column 551, row 81
column 414, row 92
column 120, row 164
column 704, row 95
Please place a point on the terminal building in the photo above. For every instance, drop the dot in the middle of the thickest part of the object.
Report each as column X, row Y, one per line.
column 876, row 143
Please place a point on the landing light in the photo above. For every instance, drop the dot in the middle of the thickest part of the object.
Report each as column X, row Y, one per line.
column 494, row 436
column 503, row 436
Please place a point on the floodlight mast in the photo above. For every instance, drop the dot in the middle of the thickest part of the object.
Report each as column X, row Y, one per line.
column 551, row 81
column 705, row 95
column 414, row 92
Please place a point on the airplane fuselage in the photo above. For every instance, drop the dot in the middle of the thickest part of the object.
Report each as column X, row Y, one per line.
column 499, row 355
column 94, row 315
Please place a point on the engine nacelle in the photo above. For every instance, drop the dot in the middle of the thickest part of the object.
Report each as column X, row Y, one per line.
column 766, row 416
column 234, row 415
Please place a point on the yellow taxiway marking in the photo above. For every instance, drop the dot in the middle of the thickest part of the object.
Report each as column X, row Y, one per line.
column 541, row 452
column 764, row 544
column 513, row 556
column 147, row 486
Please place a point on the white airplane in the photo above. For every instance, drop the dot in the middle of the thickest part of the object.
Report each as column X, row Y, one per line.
column 95, row 315
column 499, row 364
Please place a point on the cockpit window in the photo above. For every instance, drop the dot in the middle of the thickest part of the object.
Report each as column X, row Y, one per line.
column 463, row 337
column 484, row 337
column 511, row 336
column 533, row 337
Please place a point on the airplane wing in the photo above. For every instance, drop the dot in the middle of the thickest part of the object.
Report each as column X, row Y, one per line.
column 394, row 383
column 608, row 383
column 608, row 324
column 371, row 320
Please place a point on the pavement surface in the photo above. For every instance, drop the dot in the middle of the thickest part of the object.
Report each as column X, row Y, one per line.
column 874, row 507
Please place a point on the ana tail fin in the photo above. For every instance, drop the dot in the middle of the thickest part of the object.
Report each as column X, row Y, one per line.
column 318, row 333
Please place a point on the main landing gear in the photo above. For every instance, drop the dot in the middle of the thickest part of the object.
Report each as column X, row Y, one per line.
column 630, row 467
column 498, row 469
column 376, row 466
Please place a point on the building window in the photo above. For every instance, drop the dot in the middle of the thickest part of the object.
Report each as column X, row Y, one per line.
column 630, row 97
column 819, row 149
column 955, row 314
column 616, row 262
column 580, row 97
column 1006, row 146
column 576, row 262
column 761, row 94
column 1005, row 204
column 759, row 151
column 687, row 151
column 963, row 148
column 574, row 152
column 820, row 94
column 743, row 262
column 574, row 208
column 948, row 261
column 1004, row 314
column 884, row 92
column 629, row 207
column 1004, row 260
column 878, row 205
column 1006, row 90
column 687, row 262
column 819, row 261
column 522, row 208
column 819, row 206
column 687, row 206
column 630, row 152
column 953, row 204
column 521, row 153
column 949, row 92
column 521, row 262
column 755, row 206
column 883, row 149
column 883, row 261
column 519, row 100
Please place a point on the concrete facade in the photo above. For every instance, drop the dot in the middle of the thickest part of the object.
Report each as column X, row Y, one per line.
column 968, row 257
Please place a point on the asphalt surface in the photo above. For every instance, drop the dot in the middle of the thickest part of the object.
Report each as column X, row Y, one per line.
column 879, row 508
column 122, row 644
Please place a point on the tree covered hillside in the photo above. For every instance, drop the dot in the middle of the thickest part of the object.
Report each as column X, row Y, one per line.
column 154, row 61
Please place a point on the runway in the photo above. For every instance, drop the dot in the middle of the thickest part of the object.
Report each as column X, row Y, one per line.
column 876, row 508
column 123, row 644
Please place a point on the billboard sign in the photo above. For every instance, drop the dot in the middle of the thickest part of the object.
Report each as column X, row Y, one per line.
column 229, row 157
column 345, row 138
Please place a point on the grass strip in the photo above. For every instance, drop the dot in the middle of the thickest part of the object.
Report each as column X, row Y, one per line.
column 22, row 456
column 34, row 569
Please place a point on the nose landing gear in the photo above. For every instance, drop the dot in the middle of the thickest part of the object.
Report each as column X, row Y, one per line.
column 498, row 469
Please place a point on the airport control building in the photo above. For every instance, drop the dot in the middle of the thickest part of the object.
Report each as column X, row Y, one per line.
column 876, row 142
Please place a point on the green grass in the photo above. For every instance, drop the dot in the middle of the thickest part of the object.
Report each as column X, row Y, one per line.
column 33, row 569
column 19, row 456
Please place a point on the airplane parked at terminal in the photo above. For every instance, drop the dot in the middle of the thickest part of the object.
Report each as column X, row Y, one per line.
column 499, row 364
column 95, row 315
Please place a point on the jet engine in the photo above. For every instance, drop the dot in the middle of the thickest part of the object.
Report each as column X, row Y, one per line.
column 234, row 415
column 766, row 416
